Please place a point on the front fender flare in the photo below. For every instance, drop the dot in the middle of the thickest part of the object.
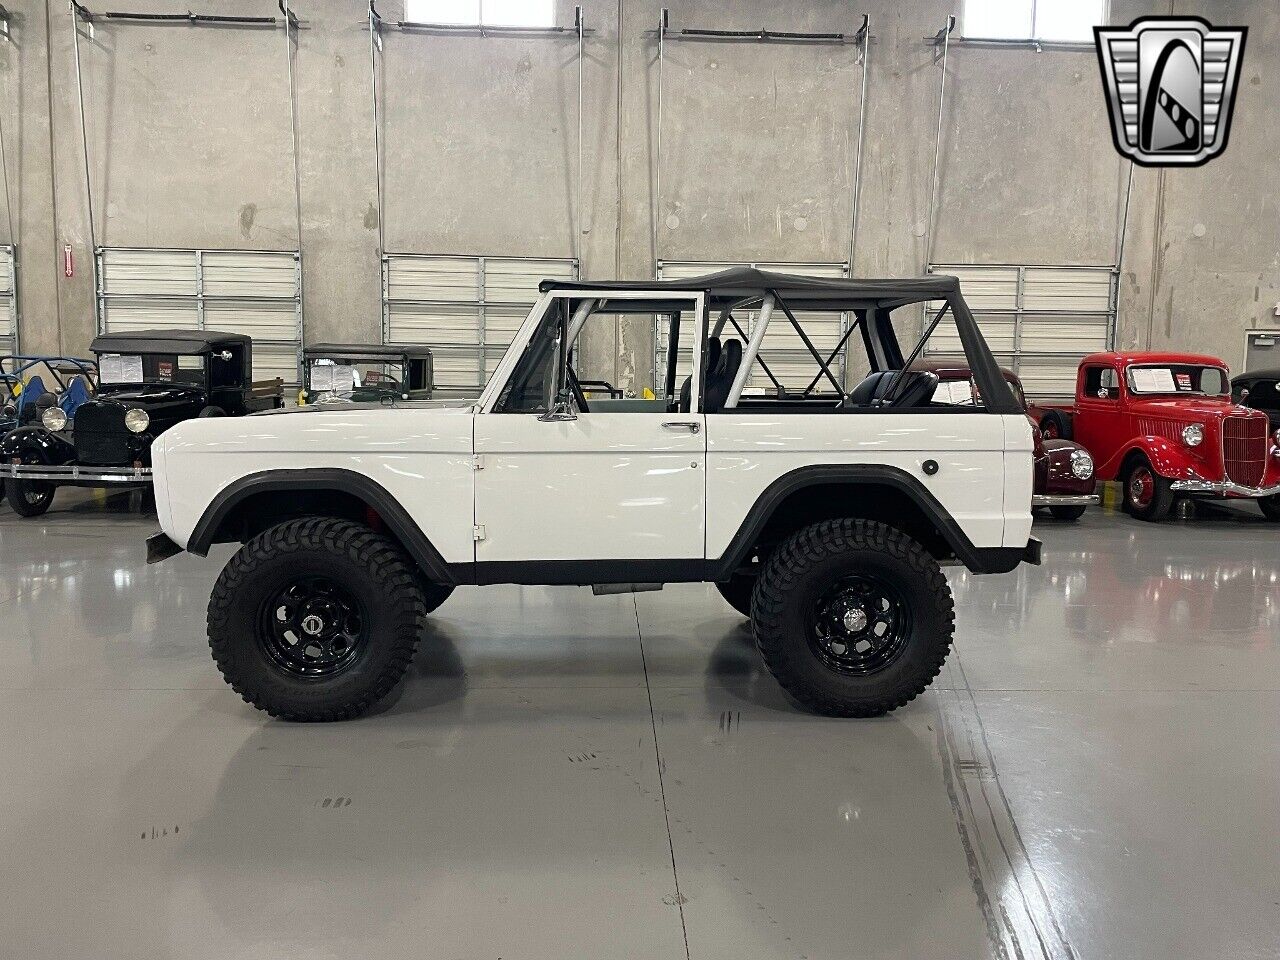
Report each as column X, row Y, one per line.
column 358, row 485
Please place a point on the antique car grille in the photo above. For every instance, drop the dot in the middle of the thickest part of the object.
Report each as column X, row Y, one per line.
column 100, row 435
column 1244, row 449
column 1168, row 429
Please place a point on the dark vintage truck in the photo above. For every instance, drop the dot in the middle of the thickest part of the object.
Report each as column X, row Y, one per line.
column 148, row 380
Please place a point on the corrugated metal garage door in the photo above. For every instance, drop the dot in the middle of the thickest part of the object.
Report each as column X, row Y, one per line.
column 254, row 292
column 8, row 302
column 1038, row 320
column 467, row 309
column 782, row 349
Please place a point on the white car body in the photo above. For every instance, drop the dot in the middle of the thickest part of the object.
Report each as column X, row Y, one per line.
column 500, row 491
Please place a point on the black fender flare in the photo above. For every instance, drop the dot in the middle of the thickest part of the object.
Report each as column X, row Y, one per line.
column 36, row 444
column 977, row 559
column 358, row 485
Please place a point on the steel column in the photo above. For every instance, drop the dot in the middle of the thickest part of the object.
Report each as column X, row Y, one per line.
column 942, row 37
column 864, row 36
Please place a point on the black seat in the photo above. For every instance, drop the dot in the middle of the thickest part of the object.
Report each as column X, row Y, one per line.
column 914, row 389
column 720, row 379
column 686, row 388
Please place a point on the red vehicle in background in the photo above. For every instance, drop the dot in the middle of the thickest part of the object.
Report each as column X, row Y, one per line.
column 1064, row 477
column 1164, row 425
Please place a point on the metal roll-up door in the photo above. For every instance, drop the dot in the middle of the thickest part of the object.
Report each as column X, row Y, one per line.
column 1039, row 320
column 8, row 302
column 467, row 309
column 254, row 292
column 782, row 348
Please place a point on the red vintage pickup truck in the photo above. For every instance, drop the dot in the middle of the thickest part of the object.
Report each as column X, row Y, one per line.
column 1164, row 424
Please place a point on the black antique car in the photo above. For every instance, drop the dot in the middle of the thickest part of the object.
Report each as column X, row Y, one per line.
column 365, row 373
column 148, row 380
column 31, row 384
column 1259, row 389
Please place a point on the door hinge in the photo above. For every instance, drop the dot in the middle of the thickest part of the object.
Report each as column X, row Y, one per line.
column 477, row 462
column 477, row 532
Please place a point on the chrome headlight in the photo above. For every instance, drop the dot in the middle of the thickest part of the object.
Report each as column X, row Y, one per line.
column 54, row 418
column 1193, row 434
column 136, row 420
column 1081, row 464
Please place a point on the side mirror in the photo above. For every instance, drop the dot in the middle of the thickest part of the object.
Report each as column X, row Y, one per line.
column 562, row 408
column 1103, row 393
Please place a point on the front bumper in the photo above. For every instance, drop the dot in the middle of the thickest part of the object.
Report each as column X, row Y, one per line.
column 1065, row 500
column 1222, row 488
column 73, row 474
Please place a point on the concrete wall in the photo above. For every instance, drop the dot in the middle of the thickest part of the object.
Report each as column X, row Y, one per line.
column 190, row 144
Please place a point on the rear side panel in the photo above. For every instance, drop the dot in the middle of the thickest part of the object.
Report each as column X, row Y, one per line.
column 748, row 451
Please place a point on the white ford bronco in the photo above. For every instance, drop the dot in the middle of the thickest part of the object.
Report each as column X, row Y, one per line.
column 820, row 512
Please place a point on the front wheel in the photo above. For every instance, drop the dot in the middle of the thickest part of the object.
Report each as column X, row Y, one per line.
column 853, row 617
column 1271, row 508
column 1147, row 495
column 315, row 619
column 29, row 498
column 1067, row 514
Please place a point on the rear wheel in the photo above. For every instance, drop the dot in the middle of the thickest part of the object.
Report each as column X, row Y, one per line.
column 737, row 593
column 315, row 619
column 1147, row 495
column 1067, row 514
column 853, row 617
column 1055, row 425
column 29, row 498
column 1271, row 508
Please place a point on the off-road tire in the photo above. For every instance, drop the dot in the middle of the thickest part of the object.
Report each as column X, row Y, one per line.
column 1157, row 504
column 1270, row 507
column 803, row 567
column 737, row 592
column 368, row 565
column 1067, row 514
column 29, row 498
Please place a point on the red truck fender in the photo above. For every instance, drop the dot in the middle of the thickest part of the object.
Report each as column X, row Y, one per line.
column 1167, row 458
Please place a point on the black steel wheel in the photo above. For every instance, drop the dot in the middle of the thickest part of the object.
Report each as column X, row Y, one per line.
column 853, row 617
column 316, row 619
column 312, row 627
column 29, row 498
column 859, row 625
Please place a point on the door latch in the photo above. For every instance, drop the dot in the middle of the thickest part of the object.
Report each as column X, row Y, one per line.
column 691, row 425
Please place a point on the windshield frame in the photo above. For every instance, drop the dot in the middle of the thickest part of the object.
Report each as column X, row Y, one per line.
column 1173, row 368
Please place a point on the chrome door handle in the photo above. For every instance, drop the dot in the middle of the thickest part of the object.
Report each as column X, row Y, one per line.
column 691, row 425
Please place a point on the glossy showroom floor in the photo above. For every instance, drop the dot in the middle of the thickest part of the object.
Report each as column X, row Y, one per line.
column 1096, row 774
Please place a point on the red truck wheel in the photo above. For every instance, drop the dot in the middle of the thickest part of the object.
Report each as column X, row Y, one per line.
column 1055, row 426
column 1147, row 495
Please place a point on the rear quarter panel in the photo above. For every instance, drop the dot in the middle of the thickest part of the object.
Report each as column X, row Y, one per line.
column 985, row 461
column 422, row 458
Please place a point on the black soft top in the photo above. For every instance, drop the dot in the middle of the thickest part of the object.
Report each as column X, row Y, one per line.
column 386, row 351
column 166, row 341
column 741, row 284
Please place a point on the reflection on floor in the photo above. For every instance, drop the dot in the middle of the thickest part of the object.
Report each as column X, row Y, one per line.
column 1095, row 774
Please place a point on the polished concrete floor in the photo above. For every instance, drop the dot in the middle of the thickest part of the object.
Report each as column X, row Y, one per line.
column 1095, row 775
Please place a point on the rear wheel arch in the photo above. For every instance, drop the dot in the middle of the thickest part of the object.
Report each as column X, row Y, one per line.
column 263, row 500
column 813, row 494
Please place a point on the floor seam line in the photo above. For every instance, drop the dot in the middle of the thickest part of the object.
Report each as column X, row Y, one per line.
column 662, row 790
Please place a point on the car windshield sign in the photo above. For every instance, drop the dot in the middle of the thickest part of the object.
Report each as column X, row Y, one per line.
column 120, row 368
column 1208, row 381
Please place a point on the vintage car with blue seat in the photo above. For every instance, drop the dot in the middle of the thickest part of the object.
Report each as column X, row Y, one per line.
column 148, row 380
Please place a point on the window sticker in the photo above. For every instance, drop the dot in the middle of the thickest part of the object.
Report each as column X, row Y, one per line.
column 164, row 369
column 191, row 363
column 120, row 368
column 1153, row 380
column 1183, row 380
